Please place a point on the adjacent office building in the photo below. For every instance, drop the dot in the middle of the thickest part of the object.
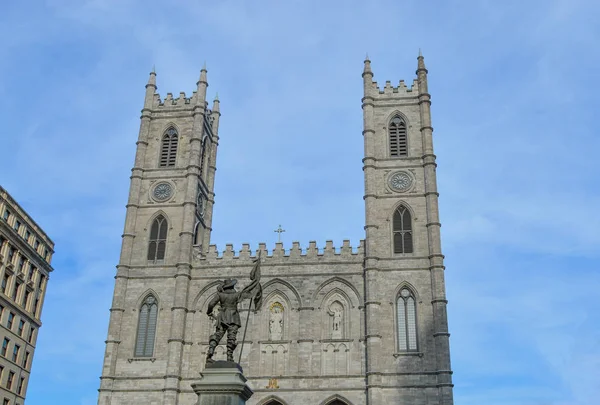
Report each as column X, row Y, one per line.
column 25, row 254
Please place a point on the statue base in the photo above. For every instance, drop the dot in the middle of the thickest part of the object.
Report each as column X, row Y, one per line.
column 222, row 383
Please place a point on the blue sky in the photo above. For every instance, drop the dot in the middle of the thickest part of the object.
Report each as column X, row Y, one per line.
column 514, row 87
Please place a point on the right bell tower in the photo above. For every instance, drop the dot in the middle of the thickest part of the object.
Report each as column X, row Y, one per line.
column 406, row 326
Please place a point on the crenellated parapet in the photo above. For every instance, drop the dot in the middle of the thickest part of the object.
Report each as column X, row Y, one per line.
column 279, row 253
column 182, row 103
column 401, row 89
column 169, row 102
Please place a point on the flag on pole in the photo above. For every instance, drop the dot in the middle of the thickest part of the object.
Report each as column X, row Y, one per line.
column 254, row 289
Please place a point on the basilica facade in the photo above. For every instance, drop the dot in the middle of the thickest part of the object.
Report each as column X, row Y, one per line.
column 353, row 325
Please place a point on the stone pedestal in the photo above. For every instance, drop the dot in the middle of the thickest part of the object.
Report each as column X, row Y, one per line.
column 222, row 383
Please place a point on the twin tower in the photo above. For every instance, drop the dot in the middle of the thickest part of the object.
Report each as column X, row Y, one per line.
column 362, row 325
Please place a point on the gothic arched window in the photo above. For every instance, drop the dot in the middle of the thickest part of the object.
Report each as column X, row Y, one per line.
column 402, row 223
column 204, row 157
column 398, row 141
column 337, row 402
column 407, row 321
column 158, row 239
column 146, row 330
column 168, row 148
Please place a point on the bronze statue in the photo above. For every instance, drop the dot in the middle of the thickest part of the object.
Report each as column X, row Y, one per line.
column 228, row 319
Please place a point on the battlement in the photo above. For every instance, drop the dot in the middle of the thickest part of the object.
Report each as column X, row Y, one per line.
column 346, row 251
column 388, row 89
column 169, row 102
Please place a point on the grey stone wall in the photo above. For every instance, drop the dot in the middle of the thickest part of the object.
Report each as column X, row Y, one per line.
column 328, row 326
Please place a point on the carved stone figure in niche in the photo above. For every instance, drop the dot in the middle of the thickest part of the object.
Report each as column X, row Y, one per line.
column 276, row 321
column 336, row 311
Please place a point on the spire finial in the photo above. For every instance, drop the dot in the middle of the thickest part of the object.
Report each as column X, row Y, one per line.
column 152, row 78
column 367, row 69
column 367, row 56
column 217, row 96
column 204, row 66
column 421, row 63
column 153, row 68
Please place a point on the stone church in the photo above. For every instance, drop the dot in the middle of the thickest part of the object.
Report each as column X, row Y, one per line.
column 351, row 325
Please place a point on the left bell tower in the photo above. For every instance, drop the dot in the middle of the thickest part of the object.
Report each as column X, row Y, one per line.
column 168, row 219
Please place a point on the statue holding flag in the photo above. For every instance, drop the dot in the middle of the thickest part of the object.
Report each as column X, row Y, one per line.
column 228, row 319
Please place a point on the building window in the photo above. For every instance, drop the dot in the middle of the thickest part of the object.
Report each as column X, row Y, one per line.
column 407, row 321
column 32, row 270
column 26, row 298
column 168, row 150
column 6, row 215
column 158, row 240
column 2, row 240
column 36, row 244
column 144, row 344
column 398, row 141
column 17, row 225
column 27, row 235
column 30, row 336
column 21, row 327
column 41, row 281
column 203, row 158
column 1, row 312
column 21, row 263
column 34, row 310
column 6, row 401
column 11, row 254
column 4, row 346
column 403, row 241
column 11, row 318
column 15, row 291
column 15, row 355
column 21, row 385
column 25, row 360
column 9, row 380
column 5, row 280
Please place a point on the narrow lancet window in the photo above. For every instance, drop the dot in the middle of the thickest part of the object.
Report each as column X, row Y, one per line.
column 407, row 321
column 158, row 240
column 168, row 150
column 146, row 331
column 398, row 142
column 403, row 241
column 204, row 157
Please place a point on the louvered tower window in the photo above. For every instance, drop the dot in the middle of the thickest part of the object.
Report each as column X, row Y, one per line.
column 158, row 240
column 146, row 331
column 168, row 150
column 398, row 142
column 203, row 158
column 403, row 241
column 407, row 321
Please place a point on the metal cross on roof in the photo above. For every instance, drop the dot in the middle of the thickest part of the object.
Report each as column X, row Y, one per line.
column 279, row 232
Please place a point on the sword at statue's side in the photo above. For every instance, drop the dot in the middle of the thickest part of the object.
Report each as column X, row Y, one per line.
column 254, row 292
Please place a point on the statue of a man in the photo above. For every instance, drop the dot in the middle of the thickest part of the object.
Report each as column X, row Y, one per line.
column 336, row 311
column 228, row 319
column 276, row 323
